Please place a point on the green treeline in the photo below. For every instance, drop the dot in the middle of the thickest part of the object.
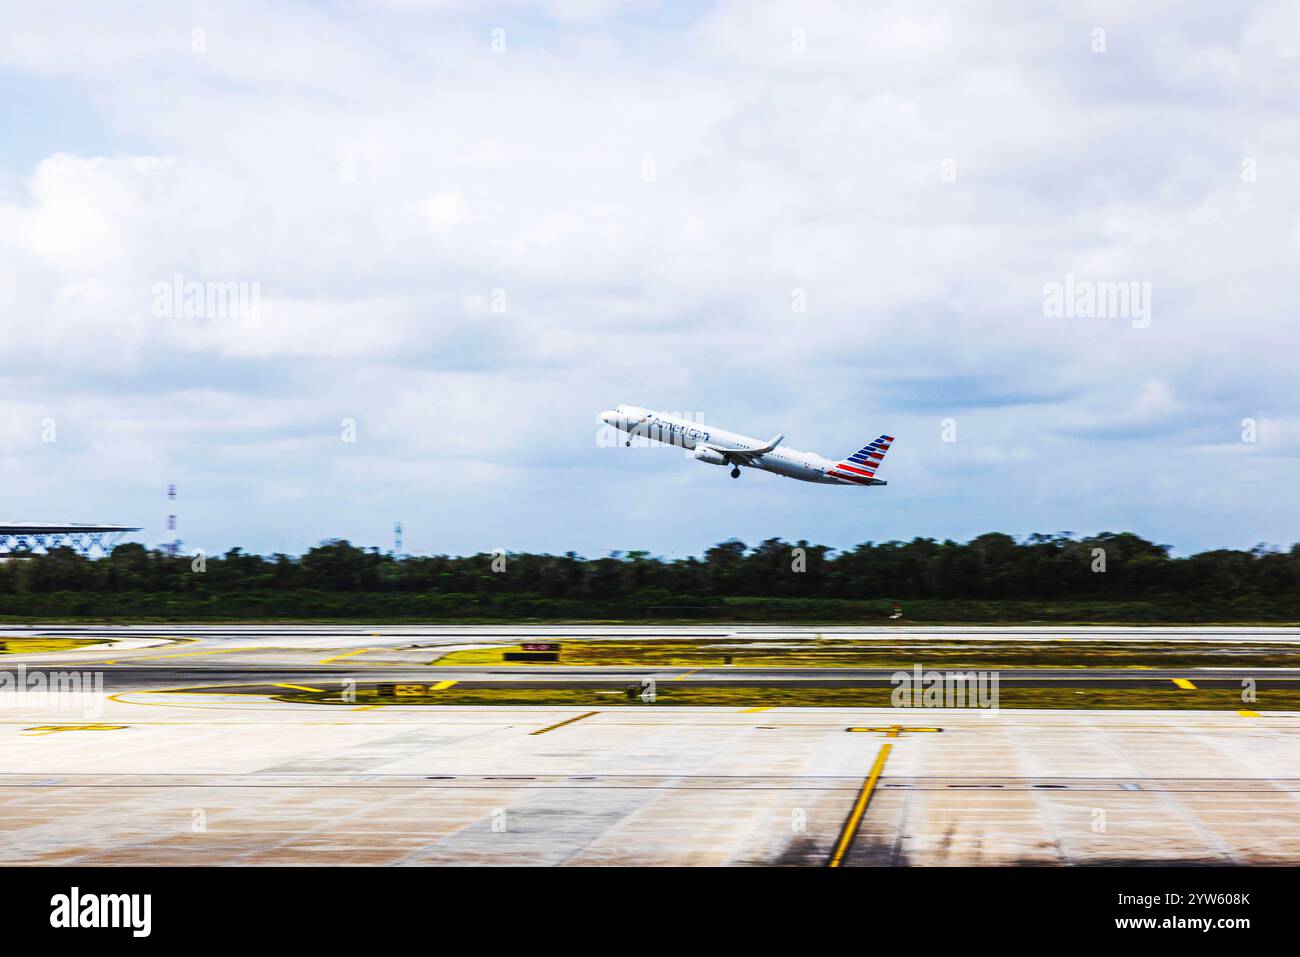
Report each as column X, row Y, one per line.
column 990, row 578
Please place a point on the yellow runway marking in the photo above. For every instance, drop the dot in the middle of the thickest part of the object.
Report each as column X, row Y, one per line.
column 442, row 685
column 121, row 696
column 563, row 723
column 687, row 674
column 185, row 641
column 158, row 704
column 893, row 730
column 299, row 687
column 366, row 707
column 52, row 728
column 859, row 808
column 1184, row 684
column 756, row 710
column 359, row 651
column 1246, row 713
column 188, row 654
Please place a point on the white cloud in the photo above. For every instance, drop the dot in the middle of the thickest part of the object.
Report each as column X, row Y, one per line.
column 643, row 193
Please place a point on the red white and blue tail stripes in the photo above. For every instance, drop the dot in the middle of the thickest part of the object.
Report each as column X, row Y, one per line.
column 860, row 467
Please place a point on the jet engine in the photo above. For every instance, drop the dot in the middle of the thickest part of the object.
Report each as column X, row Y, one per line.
column 711, row 456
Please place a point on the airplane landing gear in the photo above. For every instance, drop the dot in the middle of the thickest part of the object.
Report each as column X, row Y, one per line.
column 735, row 471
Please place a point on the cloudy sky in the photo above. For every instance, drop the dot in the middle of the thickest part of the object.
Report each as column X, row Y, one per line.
column 470, row 227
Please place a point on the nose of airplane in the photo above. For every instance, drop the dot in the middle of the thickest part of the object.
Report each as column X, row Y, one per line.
column 608, row 417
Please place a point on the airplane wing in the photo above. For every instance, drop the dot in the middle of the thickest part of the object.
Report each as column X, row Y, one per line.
column 747, row 456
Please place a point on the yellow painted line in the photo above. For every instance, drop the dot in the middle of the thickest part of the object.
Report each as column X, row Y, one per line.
column 442, row 685
column 1246, row 713
column 563, row 723
column 366, row 707
column 189, row 654
column 850, row 830
column 156, row 704
column 1184, row 684
column 756, row 710
column 359, row 651
column 121, row 697
column 299, row 687
column 172, row 638
column 687, row 674
column 228, row 684
column 52, row 728
column 893, row 730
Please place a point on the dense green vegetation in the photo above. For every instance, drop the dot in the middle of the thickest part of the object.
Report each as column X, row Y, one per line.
column 990, row 578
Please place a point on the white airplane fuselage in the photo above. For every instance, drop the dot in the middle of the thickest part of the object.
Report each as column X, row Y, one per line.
column 716, row 446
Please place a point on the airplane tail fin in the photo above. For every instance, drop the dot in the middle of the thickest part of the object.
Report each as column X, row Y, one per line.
column 861, row 465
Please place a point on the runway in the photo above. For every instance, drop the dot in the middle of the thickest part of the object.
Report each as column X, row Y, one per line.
column 185, row 655
column 233, row 776
column 119, row 678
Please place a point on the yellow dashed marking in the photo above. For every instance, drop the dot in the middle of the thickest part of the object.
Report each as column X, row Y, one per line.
column 893, row 730
column 1247, row 713
column 687, row 674
column 188, row 654
column 563, row 723
column 349, row 654
column 756, row 710
column 1184, row 684
column 300, row 687
column 52, row 728
column 442, row 685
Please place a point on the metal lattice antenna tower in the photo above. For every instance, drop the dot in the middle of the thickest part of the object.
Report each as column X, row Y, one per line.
column 397, row 539
column 174, row 546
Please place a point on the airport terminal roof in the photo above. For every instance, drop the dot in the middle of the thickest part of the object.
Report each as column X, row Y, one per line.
column 49, row 528
column 23, row 538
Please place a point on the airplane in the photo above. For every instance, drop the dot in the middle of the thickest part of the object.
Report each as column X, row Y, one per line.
column 720, row 447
